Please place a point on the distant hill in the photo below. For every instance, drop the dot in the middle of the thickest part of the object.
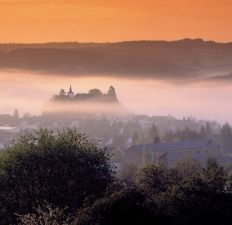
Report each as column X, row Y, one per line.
column 222, row 78
column 185, row 58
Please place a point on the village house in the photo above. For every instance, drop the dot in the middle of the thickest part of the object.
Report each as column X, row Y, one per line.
column 172, row 152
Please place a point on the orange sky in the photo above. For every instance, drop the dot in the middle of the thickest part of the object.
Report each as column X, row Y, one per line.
column 114, row 20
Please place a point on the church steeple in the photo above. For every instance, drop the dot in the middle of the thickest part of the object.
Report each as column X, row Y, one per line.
column 70, row 92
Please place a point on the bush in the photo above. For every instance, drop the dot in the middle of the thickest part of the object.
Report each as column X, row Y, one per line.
column 189, row 193
column 155, row 179
column 61, row 168
column 126, row 206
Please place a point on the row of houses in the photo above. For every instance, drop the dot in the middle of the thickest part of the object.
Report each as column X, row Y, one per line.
column 172, row 152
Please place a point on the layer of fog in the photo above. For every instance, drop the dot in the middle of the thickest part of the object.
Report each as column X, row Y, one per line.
column 29, row 92
column 85, row 107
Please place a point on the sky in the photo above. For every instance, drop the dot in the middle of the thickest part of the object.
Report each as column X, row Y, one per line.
column 114, row 20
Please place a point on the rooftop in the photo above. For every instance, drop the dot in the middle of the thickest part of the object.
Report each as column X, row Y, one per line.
column 177, row 146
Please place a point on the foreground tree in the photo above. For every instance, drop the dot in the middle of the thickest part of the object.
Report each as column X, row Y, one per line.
column 46, row 215
column 189, row 193
column 154, row 180
column 214, row 176
column 63, row 169
column 125, row 206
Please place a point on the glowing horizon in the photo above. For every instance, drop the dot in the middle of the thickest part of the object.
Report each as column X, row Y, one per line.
column 41, row 21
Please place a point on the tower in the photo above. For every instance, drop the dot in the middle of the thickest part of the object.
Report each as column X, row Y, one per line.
column 111, row 92
column 70, row 92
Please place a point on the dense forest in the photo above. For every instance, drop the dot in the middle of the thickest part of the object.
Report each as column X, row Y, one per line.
column 63, row 178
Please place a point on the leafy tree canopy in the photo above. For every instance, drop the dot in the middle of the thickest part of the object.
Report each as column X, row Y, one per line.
column 63, row 169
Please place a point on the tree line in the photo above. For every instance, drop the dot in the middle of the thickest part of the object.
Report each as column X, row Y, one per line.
column 223, row 136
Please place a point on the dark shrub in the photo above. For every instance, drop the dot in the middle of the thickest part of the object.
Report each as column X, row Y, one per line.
column 61, row 168
column 127, row 206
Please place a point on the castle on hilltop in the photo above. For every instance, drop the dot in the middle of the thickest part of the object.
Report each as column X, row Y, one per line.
column 94, row 95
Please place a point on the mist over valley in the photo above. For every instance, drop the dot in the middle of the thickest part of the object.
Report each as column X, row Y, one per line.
column 115, row 112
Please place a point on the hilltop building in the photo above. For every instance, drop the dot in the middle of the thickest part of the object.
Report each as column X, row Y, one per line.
column 70, row 93
column 94, row 95
column 68, row 104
